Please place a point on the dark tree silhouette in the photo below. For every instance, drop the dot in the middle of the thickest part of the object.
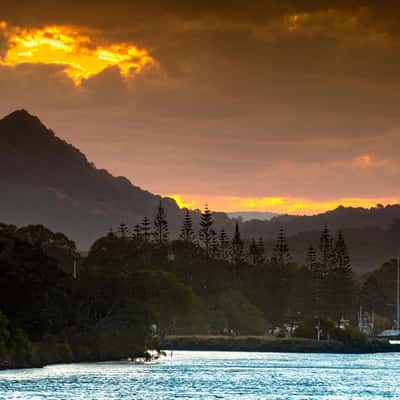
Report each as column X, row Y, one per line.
column 214, row 245
column 123, row 230
column 145, row 229
column 253, row 252
column 342, row 258
column 137, row 233
column 187, row 232
column 372, row 297
column 261, row 249
column 340, row 280
column 223, row 245
column 326, row 260
column 314, row 267
column 281, row 254
column 206, row 231
column 326, row 251
column 160, row 226
column 256, row 252
column 237, row 253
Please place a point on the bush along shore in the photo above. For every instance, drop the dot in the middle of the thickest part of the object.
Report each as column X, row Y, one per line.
column 136, row 285
column 271, row 344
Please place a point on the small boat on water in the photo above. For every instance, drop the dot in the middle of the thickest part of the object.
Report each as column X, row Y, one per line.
column 148, row 357
column 390, row 333
column 142, row 360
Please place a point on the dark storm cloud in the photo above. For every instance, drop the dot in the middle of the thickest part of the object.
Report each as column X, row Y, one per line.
column 291, row 93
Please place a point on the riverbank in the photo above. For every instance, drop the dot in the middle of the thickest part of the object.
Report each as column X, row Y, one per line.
column 37, row 362
column 240, row 344
column 273, row 345
column 5, row 364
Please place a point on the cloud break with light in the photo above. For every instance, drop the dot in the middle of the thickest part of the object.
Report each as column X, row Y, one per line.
column 78, row 54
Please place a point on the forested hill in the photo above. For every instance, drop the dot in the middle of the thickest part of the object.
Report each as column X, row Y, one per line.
column 340, row 218
column 45, row 180
column 372, row 235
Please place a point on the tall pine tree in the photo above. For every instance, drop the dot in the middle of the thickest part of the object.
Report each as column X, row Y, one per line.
column 253, row 252
column 137, row 233
column 214, row 245
column 326, row 260
column 261, row 250
column 145, row 229
column 237, row 254
column 341, row 280
column 342, row 258
column 281, row 254
column 223, row 244
column 123, row 230
column 206, row 231
column 187, row 232
column 326, row 251
column 314, row 268
column 160, row 226
column 256, row 252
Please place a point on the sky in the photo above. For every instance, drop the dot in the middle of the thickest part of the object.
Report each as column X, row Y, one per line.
column 289, row 106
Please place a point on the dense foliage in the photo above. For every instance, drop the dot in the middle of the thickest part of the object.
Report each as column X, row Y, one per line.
column 135, row 286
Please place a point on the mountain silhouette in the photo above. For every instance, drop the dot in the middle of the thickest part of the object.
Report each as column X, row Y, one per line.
column 48, row 181
column 45, row 180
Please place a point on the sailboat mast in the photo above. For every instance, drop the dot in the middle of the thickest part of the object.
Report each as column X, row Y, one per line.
column 75, row 272
column 398, row 295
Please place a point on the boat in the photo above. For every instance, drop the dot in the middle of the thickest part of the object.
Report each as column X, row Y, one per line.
column 390, row 333
column 142, row 361
column 149, row 357
column 394, row 334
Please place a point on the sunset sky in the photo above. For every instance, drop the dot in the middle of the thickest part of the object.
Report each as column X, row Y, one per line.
column 283, row 106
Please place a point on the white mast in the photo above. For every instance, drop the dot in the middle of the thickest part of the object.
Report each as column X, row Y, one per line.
column 75, row 272
column 398, row 296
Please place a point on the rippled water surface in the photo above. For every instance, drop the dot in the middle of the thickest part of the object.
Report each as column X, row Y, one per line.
column 214, row 375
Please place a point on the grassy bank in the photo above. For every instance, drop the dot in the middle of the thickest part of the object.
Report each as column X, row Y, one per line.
column 272, row 344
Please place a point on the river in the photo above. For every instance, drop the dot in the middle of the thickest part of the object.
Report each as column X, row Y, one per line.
column 214, row 375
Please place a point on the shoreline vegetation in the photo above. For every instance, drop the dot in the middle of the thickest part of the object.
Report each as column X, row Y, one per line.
column 271, row 344
column 138, row 289
column 251, row 344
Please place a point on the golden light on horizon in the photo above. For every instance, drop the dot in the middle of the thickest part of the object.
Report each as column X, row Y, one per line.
column 279, row 205
column 67, row 46
column 183, row 202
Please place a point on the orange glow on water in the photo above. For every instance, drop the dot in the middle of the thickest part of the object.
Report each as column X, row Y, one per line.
column 67, row 46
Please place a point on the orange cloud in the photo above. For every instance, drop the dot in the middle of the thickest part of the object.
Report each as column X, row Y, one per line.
column 62, row 45
column 363, row 161
column 280, row 205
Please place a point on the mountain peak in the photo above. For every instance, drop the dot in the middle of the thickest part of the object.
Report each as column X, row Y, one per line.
column 21, row 121
column 48, row 181
column 20, row 115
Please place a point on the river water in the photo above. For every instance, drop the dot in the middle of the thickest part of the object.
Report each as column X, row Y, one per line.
column 214, row 375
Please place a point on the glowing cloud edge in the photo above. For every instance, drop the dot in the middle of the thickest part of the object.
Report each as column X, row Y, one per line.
column 77, row 52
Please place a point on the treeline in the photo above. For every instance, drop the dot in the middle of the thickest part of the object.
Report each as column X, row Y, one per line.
column 136, row 285
column 48, row 314
column 323, row 286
